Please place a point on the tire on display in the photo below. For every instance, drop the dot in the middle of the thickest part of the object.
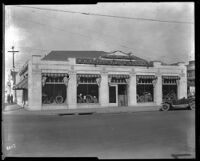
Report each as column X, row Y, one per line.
column 192, row 105
column 59, row 99
column 165, row 107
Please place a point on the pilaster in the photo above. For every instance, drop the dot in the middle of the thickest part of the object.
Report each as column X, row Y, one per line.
column 132, row 90
column 182, row 85
column 72, row 90
column 34, row 84
column 158, row 89
column 104, row 90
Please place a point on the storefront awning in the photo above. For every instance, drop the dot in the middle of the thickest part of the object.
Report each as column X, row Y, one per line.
column 55, row 74
column 21, row 85
column 146, row 76
column 89, row 75
column 118, row 76
column 171, row 77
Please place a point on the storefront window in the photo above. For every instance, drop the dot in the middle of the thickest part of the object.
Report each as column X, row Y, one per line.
column 169, row 87
column 145, row 88
column 54, row 88
column 88, row 88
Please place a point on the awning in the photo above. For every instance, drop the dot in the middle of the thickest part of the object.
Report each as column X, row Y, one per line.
column 146, row 76
column 89, row 75
column 21, row 85
column 171, row 77
column 118, row 76
column 55, row 74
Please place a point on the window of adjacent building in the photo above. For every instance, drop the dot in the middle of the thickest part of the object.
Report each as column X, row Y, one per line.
column 88, row 88
column 145, row 88
column 54, row 88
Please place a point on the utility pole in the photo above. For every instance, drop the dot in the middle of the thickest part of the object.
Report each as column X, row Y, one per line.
column 14, row 73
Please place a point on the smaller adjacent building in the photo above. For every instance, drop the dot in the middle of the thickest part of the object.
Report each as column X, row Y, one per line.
column 191, row 77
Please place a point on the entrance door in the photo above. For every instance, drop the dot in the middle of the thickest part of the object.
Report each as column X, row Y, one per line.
column 122, row 95
column 113, row 97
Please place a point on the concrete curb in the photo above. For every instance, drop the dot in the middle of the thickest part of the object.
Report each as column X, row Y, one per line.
column 22, row 111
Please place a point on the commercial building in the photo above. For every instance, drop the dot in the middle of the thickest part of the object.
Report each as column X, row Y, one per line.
column 89, row 79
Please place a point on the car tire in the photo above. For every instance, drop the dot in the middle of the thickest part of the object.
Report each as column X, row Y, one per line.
column 165, row 107
column 192, row 105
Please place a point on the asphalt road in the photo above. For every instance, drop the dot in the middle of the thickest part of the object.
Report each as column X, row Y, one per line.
column 125, row 135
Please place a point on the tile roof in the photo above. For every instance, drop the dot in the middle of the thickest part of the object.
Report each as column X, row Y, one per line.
column 64, row 55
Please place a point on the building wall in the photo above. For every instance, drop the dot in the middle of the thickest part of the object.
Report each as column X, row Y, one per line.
column 34, row 84
column 36, row 67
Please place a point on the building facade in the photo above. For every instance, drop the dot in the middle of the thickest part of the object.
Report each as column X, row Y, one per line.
column 89, row 79
column 191, row 77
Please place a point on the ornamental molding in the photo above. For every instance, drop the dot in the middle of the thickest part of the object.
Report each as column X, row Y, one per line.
column 71, row 72
column 159, row 74
column 133, row 72
column 103, row 71
column 182, row 73
column 72, row 67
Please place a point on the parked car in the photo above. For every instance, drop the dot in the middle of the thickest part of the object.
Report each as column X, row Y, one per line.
column 188, row 103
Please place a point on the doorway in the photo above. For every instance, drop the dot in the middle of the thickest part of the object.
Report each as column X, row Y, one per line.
column 113, row 95
column 122, row 95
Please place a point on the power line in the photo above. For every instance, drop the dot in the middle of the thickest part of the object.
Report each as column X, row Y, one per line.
column 110, row 16
column 107, row 35
column 86, row 36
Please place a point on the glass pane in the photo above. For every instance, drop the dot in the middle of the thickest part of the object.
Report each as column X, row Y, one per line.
column 112, row 94
column 87, row 93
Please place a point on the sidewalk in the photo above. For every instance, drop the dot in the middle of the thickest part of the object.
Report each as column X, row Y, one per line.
column 11, row 107
column 16, row 109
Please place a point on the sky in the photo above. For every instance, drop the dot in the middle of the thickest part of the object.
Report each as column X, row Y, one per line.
column 37, row 32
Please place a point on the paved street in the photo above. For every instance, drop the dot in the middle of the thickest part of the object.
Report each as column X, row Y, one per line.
column 123, row 135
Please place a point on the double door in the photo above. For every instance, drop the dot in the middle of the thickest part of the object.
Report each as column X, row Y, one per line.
column 118, row 95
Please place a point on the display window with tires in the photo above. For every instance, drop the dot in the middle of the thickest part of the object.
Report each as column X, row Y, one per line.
column 88, row 88
column 169, row 87
column 54, row 88
column 145, row 88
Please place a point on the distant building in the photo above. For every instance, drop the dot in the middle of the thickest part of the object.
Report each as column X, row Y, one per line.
column 89, row 79
column 191, row 77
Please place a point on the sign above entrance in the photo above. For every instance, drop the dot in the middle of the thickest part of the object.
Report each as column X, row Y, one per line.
column 114, row 61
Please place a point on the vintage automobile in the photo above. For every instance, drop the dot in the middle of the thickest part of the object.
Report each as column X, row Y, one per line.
column 188, row 103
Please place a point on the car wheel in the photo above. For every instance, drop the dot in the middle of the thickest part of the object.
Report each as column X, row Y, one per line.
column 165, row 107
column 192, row 106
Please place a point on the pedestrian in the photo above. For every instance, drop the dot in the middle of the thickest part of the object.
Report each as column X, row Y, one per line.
column 11, row 99
column 8, row 98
